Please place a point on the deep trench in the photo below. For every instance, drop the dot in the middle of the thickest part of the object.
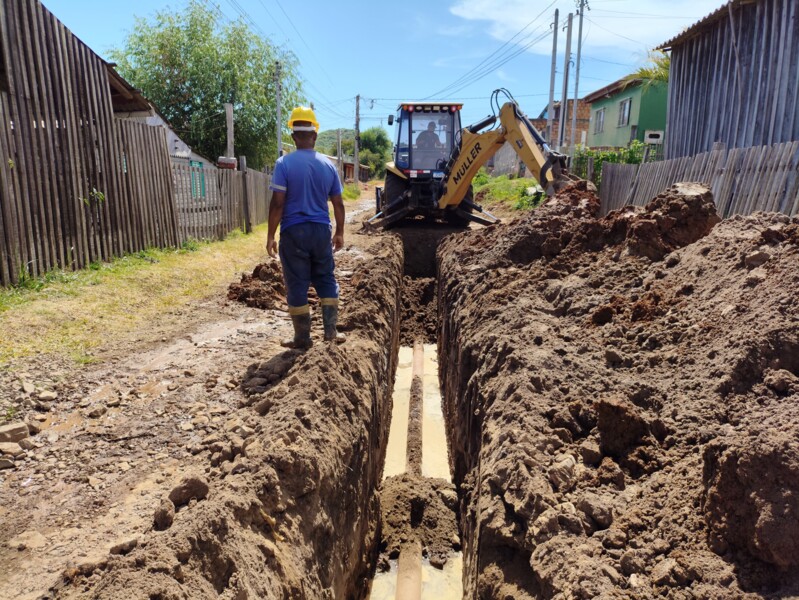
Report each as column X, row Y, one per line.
column 413, row 493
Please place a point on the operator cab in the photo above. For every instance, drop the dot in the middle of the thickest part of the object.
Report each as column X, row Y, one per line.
column 425, row 136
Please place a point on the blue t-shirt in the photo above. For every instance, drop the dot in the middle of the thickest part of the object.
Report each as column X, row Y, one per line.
column 308, row 179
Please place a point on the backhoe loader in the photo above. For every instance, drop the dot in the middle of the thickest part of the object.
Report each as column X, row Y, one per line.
column 435, row 160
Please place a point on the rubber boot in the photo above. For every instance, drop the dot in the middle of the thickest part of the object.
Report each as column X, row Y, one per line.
column 329, row 320
column 302, row 332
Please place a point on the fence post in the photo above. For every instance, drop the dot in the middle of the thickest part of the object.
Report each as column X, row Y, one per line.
column 245, row 203
column 589, row 170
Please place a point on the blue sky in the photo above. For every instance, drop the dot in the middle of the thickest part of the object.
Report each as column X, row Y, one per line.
column 449, row 49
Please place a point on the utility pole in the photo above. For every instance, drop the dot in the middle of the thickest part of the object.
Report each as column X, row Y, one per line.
column 551, row 108
column 583, row 4
column 338, row 155
column 229, row 119
column 279, row 117
column 357, row 135
column 564, row 105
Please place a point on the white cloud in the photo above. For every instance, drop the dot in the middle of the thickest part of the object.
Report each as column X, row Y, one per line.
column 624, row 28
column 454, row 30
column 503, row 76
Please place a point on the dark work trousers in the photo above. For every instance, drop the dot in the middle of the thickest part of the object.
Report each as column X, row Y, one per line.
column 306, row 253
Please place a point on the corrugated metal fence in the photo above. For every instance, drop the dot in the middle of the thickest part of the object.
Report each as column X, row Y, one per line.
column 743, row 180
column 78, row 185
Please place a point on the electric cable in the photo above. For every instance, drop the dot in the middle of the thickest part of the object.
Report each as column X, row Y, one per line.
column 506, row 43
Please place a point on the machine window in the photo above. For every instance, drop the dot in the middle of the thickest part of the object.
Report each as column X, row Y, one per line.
column 403, row 154
column 432, row 139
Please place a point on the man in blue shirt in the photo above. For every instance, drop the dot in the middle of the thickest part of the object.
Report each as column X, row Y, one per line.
column 302, row 184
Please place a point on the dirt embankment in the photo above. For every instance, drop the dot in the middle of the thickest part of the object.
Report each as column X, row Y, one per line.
column 287, row 504
column 623, row 400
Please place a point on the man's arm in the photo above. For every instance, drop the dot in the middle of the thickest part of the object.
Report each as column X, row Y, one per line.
column 338, row 213
column 275, row 214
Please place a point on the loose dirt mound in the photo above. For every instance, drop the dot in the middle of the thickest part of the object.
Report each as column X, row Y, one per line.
column 286, row 505
column 623, row 399
column 263, row 289
column 420, row 508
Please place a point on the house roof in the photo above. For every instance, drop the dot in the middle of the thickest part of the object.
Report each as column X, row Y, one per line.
column 613, row 88
column 556, row 104
column 124, row 97
column 347, row 160
column 703, row 24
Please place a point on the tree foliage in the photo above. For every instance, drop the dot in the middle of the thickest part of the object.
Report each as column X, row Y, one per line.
column 326, row 141
column 634, row 154
column 189, row 63
column 656, row 71
column 375, row 150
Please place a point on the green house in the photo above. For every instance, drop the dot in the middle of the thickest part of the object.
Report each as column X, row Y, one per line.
column 625, row 111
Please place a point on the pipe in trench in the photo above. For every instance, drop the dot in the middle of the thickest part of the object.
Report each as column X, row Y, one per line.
column 409, row 569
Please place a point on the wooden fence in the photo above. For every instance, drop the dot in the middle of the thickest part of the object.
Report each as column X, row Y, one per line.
column 77, row 184
column 735, row 78
column 213, row 202
column 743, row 180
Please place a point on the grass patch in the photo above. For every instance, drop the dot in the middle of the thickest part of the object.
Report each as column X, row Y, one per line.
column 9, row 415
column 131, row 298
column 505, row 189
column 352, row 191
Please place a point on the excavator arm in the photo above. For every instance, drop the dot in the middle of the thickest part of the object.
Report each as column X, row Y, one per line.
column 476, row 148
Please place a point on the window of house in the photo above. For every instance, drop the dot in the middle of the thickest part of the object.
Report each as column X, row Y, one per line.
column 624, row 112
column 599, row 121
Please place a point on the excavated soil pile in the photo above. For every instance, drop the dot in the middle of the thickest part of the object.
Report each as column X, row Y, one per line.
column 263, row 289
column 623, row 400
column 421, row 508
column 288, row 504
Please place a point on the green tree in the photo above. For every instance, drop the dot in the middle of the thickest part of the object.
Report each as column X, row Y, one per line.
column 326, row 141
column 656, row 71
column 189, row 63
column 376, row 140
column 347, row 146
column 375, row 150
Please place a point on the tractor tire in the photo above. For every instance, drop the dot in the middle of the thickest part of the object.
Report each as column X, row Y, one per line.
column 395, row 187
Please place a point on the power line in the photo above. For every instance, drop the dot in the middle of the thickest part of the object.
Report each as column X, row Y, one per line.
column 609, row 62
column 271, row 16
column 635, row 14
column 459, row 99
column 617, row 34
column 249, row 20
column 493, row 67
column 487, row 58
column 280, row 6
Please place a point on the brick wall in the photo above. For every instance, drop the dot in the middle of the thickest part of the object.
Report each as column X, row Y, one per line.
column 583, row 121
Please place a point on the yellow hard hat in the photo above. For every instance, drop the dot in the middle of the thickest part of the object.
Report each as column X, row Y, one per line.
column 303, row 113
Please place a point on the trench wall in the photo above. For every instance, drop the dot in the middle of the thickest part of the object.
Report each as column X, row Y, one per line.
column 614, row 389
column 291, row 511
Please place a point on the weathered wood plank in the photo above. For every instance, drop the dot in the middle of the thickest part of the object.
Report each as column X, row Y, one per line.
column 24, row 142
